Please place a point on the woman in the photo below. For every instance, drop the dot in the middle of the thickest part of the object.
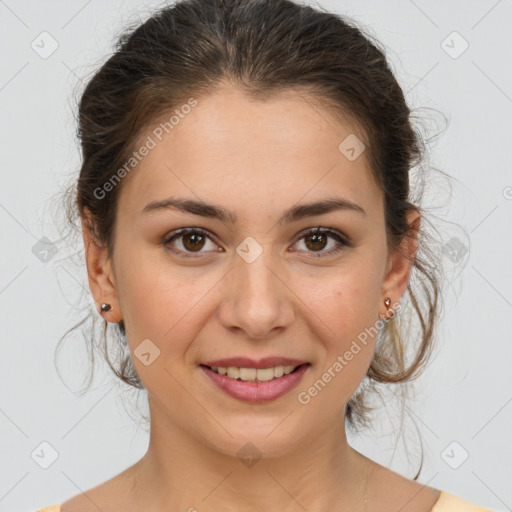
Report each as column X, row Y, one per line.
column 245, row 205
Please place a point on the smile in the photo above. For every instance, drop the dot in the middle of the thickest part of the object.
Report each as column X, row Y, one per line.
column 255, row 385
column 254, row 374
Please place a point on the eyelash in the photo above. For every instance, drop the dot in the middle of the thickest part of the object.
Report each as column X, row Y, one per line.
column 342, row 241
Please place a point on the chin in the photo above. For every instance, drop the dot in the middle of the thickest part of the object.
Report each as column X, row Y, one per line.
column 264, row 438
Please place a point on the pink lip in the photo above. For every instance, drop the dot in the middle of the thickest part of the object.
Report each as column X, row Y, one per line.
column 256, row 391
column 245, row 362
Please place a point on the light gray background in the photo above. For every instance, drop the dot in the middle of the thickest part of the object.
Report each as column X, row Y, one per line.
column 466, row 394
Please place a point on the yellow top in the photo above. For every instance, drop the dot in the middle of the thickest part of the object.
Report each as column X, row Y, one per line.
column 450, row 503
column 445, row 503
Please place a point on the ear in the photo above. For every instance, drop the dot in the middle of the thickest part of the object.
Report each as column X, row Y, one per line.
column 99, row 271
column 401, row 262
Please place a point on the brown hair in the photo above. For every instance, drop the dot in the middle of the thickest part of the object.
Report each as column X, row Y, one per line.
column 263, row 46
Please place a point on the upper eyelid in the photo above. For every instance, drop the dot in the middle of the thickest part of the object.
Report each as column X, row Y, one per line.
column 185, row 231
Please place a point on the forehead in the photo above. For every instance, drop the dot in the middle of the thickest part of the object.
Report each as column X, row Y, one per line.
column 233, row 148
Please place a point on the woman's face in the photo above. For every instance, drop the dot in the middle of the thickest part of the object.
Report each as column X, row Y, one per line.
column 250, row 284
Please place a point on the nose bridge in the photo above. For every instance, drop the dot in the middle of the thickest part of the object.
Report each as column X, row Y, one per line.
column 256, row 298
column 255, row 280
column 257, row 277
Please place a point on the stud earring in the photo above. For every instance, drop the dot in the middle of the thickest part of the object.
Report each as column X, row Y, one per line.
column 387, row 303
column 105, row 308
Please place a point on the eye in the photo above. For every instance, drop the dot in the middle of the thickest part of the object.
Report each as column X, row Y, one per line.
column 192, row 241
column 316, row 240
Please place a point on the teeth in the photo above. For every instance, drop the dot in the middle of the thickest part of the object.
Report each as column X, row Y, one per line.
column 250, row 373
column 253, row 374
column 234, row 373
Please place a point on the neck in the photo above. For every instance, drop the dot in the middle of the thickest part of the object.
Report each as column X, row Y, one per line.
column 181, row 471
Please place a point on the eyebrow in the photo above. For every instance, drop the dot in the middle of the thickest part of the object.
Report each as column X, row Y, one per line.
column 295, row 213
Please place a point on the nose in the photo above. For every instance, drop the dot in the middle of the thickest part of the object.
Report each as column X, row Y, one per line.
column 256, row 298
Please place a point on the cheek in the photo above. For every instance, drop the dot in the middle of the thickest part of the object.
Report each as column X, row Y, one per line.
column 162, row 309
column 347, row 355
column 344, row 313
column 164, row 303
column 153, row 293
column 346, row 302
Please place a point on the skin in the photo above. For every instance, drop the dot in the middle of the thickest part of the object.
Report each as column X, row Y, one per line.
column 215, row 304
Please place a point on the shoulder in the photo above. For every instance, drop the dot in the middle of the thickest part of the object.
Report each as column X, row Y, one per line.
column 412, row 496
column 450, row 503
column 114, row 495
column 51, row 508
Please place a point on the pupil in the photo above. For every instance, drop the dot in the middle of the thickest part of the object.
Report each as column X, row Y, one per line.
column 316, row 238
column 196, row 244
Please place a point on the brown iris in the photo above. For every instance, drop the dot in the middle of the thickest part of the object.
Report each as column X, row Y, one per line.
column 193, row 241
column 317, row 238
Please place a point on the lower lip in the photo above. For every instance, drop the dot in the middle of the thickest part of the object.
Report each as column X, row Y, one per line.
column 256, row 391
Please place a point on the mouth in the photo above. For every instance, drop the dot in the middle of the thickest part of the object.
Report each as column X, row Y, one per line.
column 254, row 374
column 255, row 384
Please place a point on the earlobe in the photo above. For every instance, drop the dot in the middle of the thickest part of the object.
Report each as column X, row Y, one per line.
column 100, row 273
column 402, row 260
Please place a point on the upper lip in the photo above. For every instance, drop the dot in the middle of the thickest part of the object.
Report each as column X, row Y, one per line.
column 245, row 362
